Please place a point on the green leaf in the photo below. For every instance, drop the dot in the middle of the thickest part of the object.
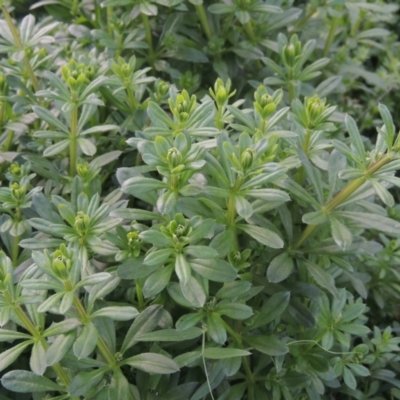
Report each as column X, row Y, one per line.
column 280, row 268
column 27, row 382
column 216, row 353
column 243, row 207
column 322, row 277
column 158, row 257
column 356, row 139
column 267, row 345
column 221, row 9
column 389, row 126
column 7, row 335
column 141, row 184
column 234, row 310
column 349, row 378
column 85, row 381
column 48, row 117
column 193, row 292
column 119, row 386
column 340, row 233
column 233, row 289
column 215, row 328
column 56, row 148
column 10, row 355
column 170, row 335
column 216, row 270
column 59, row 348
column 262, row 235
column 145, row 322
column 153, row 363
column 157, row 281
column 86, row 341
column 122, row 313
column 37, row 361
column 204, row 252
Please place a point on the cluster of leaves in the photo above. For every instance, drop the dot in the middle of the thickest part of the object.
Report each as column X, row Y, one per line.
column 186, row 210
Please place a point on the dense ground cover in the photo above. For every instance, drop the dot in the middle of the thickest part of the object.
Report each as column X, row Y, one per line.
column 199, row 200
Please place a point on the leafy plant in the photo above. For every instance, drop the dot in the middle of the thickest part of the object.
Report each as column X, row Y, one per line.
column 199, row 200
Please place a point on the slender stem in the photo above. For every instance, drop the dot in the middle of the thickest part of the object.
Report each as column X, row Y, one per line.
column 74, row 8
column 248, row 27
column 20, row 47
column 201, row 12
column 219, row 123
column 139, row 296
column 291, row 91
column 131, row 97
column 149, row 39
column 331, row 36
column 73, row 146
column 15, row 246
column 231, row 212
column 109, row 17
column 346, row 192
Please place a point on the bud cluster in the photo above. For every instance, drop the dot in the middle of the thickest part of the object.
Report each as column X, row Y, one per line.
column 61, row 263
column 77, row 76
column 17, row 191
column 81, row 224
column 315, row 109
column 265, row 104
column 124, row 69
column 19, row 173
column 134, row 242
column 183, row 106
column 179, row 230
column 222, row 92
column 292, row 52
column 161, row 89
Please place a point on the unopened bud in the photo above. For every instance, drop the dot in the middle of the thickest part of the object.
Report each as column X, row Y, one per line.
column 290, row 53
column 163, row 88
column 174, row 157
column 72, row 83
column 247, row 159
column 17, row 191
column 221, row 96
column 82, row 169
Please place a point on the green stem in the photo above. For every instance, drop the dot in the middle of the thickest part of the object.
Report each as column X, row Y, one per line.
column 15, row 246
column 201, row 12
column 139, row 296
column 248, row 27
column 109, row 17
column 331, row 36
column 149, row 39
column 20, row 47
column 291, row 91
column 131, row 97
column 73, row 146
column 218, row 119
column 345, row 193
column 74, row 8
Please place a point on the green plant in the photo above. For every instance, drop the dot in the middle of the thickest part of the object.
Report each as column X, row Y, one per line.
column 186, row 210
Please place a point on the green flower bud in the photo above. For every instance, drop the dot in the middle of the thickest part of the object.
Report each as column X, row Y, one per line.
column 82, row 169
column 125, row 70
column 12, row 62
column 247, row 159
column 183, row 116
column 221, row 96
column 72, row 83
column 81, row 222
column 163, row 88
column 17, row 191
column 268, row 110
column 65, row 73
column 60, row 268
column 289, row 52
column 297, row 47
column 265, row 100
column 81, row 80
column 174, row 157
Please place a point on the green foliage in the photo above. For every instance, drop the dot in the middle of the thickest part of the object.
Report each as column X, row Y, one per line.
column 194, row 203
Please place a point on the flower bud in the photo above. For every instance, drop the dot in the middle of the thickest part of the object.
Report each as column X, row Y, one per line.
column 17, row 191
column 221, row 96
column 174, row 157
column 65, row 73
column 268, row 110
column 247, row 159
column 125, row 70
column 72, row 83
column 289, row 52
column 82, row 169
column 89, row 72
column 81, row 80
column 163, row 88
